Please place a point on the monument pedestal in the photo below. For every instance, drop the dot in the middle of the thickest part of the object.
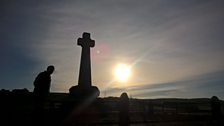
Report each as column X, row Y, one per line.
column 81, row 92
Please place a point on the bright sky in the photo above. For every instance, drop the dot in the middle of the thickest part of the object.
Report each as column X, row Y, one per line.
column 174, row 48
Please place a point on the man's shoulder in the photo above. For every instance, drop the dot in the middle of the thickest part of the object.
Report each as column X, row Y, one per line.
column 44, row 73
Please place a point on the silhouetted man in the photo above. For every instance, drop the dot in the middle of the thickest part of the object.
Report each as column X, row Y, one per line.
column 42, row 84
column 41, row 90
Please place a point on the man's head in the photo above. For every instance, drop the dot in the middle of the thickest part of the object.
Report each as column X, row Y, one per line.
column 50, row 69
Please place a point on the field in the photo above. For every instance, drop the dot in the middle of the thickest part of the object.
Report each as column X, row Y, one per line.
column 17, row 108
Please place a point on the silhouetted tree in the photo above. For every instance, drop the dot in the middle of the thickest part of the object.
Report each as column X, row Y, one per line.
column 124, row 119
column 216, row 110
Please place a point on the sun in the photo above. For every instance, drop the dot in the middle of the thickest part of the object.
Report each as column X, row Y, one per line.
column 122, row 72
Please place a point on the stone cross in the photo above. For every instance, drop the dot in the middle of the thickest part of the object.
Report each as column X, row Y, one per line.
column 85, row 65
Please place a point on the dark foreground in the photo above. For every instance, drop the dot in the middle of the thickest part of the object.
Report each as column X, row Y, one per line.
column 17, row 108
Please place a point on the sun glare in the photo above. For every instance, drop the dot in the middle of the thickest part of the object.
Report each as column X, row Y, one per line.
column 122, row 72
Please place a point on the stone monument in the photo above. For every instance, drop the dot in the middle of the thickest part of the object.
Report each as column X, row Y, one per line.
column 84, row 87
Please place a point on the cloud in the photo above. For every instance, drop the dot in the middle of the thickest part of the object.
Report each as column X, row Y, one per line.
column 205, row 85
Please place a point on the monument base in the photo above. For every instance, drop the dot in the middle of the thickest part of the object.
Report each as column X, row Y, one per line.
column 80, row 92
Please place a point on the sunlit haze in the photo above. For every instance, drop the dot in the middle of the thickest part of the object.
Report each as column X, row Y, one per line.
column 122, row 72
